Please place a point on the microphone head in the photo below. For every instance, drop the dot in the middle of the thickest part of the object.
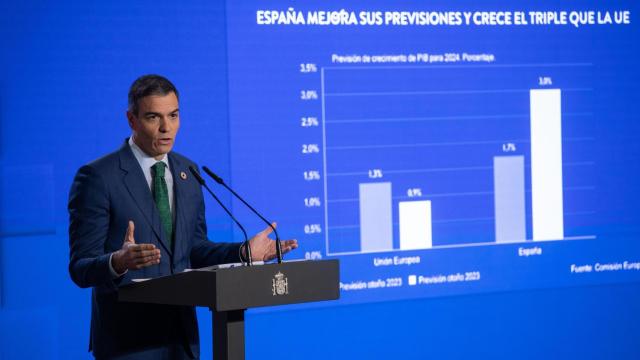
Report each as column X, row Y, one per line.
column 215, row 177
column 196, row 175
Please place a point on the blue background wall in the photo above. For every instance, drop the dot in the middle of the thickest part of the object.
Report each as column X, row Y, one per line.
column 66, row 69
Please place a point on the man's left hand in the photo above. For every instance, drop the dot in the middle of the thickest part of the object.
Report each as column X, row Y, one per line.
column 263, row 248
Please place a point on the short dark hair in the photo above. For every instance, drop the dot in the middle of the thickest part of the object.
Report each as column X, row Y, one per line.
column 148, row 85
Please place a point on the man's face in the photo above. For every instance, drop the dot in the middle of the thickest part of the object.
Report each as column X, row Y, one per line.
column 156, row 124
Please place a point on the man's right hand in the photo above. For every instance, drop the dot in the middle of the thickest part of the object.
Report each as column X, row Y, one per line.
column 134, row 256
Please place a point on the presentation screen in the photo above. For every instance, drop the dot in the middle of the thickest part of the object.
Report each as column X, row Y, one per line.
column 441, row 148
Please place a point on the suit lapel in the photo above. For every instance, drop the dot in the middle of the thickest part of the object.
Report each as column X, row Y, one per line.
column 138, row 188
column 177, row 171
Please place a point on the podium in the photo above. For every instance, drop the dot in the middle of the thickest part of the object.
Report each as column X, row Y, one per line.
column 228, row 292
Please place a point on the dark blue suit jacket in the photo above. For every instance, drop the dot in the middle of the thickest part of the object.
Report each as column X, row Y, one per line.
column 105, row 195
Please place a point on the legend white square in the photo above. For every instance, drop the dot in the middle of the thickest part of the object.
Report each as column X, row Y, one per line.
column 413, row 280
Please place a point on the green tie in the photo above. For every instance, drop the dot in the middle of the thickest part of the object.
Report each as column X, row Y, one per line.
column 161, row 196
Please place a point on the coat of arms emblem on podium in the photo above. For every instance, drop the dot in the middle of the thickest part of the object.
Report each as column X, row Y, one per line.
column 280, row 284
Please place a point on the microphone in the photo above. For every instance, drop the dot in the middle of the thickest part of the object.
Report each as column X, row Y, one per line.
column 219, row 180
column 247, row 247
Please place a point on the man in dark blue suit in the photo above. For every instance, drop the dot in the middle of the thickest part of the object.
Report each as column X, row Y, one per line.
column 138, row 213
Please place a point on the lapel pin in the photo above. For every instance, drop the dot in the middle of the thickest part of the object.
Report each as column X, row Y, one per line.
column 183, row 175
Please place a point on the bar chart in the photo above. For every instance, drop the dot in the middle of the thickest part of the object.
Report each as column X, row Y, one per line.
column 406, row 170
column 438, row 160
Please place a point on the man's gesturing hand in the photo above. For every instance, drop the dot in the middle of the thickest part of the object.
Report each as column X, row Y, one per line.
column 134, row 256
column 263, row 248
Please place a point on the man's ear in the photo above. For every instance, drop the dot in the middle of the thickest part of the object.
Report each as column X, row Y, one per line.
column 130, row 118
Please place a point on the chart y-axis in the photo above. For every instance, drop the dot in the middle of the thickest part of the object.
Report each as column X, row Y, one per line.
column 324, row 164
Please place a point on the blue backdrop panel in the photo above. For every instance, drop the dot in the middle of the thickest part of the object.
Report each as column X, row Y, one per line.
column 66, row 70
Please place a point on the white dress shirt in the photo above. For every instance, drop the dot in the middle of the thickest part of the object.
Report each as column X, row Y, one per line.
column 146, row 162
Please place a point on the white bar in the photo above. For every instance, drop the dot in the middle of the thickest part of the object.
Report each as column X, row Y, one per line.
column 415, row 225
column 546, row 164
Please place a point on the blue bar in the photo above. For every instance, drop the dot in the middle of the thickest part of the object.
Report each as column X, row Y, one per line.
column 508, row 177
column 376, row 224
